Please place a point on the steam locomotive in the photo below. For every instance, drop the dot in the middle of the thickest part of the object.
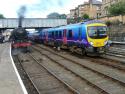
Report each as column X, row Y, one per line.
column 19, row 38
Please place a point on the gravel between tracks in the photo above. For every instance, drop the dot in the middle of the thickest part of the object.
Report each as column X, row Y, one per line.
column 71, row 78
column 112, row 86
column 28, row 84
column 44, row 81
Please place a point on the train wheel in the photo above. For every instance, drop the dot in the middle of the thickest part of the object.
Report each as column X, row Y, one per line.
column 71, row 49
column 83, row 52
column 1, row 41
column 58, row 48
column 26, row 49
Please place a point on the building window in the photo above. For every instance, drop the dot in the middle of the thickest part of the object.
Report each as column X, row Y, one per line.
column 98, row 8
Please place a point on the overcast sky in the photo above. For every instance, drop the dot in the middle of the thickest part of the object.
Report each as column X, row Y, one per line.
column 37, row 8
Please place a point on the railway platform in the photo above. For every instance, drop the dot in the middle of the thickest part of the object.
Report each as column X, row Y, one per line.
column 10, row 81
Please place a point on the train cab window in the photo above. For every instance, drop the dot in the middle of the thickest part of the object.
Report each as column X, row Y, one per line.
column 97, row 32
column 70, row 35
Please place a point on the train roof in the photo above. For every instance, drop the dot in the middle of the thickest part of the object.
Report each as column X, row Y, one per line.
column 92, row 21
column 83, row 23
column 86, row 22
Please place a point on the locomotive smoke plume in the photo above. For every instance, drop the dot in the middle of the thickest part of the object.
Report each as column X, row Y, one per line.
column 21, row 14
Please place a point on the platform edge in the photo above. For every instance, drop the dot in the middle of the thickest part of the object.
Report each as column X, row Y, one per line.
column 17, row 73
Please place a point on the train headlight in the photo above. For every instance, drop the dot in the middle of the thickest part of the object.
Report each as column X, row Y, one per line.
column 91, row 43
column 105, row 42
column 109, row 42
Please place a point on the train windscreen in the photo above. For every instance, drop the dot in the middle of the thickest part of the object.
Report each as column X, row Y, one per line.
column 97, row 32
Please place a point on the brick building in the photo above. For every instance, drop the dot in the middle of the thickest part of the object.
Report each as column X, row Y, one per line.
column 92, row 8
column 105, row 5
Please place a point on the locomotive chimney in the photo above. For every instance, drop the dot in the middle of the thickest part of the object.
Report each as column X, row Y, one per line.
column 20, row 22
column 21, row 14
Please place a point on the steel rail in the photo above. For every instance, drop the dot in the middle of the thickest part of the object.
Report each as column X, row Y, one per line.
column 101, row 89
column 114, row 79
column 72, row 89
column 19, row 61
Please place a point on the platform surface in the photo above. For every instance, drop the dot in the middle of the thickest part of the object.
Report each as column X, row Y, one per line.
column 9, row 81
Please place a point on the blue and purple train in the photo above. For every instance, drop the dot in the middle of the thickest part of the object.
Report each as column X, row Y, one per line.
column 86, row 37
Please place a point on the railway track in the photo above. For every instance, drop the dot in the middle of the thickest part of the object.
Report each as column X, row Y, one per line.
column 115, row 62
column 25, row 76
column 115, row 51
column 107, row 78
column 44, row 81
column 72, row 79
column 103, row 60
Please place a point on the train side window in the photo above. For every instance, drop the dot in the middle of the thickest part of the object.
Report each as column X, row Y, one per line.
column 52, row 33
column 70, row 34
column 80, row 33
column 44, row 34
column 49, row 34
column 56, row 34
column 60, row 33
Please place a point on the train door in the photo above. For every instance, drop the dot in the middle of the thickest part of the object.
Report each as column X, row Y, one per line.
column 64, row 36
column 46, row 36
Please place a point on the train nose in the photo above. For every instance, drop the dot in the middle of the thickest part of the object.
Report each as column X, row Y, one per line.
column 98, row 44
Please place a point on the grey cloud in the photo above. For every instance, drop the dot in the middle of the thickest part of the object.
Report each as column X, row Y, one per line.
column 46, row 5
column 22, row 11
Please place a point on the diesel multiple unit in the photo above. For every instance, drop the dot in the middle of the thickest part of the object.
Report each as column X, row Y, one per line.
column 85, row 37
